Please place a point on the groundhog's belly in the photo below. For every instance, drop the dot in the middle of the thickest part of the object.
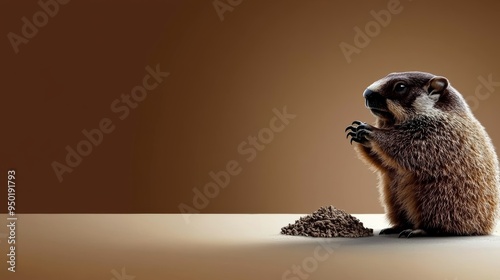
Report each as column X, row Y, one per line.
column 458, row 205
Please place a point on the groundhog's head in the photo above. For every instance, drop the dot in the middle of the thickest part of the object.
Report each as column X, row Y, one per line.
column 406, row 95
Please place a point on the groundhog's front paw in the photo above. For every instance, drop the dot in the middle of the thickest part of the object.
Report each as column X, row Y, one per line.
column 360, row 132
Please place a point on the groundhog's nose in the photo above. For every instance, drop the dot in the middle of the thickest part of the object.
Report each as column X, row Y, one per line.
column 368, row 93
column 374, row 100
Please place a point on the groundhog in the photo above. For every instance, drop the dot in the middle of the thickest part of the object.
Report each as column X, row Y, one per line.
column 438, row 170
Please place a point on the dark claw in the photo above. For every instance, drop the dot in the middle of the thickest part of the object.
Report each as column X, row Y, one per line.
column 355, row 140
column 412, row 233
column 405, row 233
column 352, row 128
column 352, row 134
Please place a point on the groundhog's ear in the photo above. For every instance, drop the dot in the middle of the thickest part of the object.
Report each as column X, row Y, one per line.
column 437, row 85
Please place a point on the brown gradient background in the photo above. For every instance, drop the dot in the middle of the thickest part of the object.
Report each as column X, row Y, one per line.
column 225, row 79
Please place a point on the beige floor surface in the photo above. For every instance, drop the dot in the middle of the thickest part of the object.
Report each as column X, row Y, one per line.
column 234, row 246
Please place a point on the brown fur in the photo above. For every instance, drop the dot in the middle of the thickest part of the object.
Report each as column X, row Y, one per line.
column 438, row 170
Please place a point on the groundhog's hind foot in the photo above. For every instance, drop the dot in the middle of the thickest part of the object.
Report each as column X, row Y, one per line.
column 395, row 229
column 413, row 233
column 391, row 230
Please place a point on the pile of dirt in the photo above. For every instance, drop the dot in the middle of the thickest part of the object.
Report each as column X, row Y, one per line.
column 328, row 221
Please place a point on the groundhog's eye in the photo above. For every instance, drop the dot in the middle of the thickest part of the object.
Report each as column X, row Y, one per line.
column 400, row 88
